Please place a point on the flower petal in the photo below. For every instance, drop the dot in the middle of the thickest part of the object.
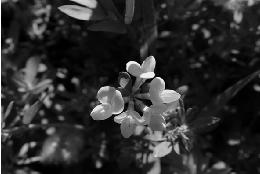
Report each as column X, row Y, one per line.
column 148, row 64
column 169, row 96
column 157, row 123
column 158, row 109
column 133, row 68
column 119, row 118
column 117, row 102
column 127, row 127
column 101, row 112
column 147, row 75
column 136, row 116
column 105, row 94
column 157, row 84
column 147, row 116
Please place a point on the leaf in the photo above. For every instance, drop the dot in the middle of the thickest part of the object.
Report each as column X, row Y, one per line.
column 88, row 3
column 110, row 9
column 31, row 112
column 156, row 168
column 82, row 13
column 31, row 69
column 41, row 86
column 205, row 116
column 176, row 148
column 18, row 78
column 8, row 109
column 162, row 149
column 129, row 11
column 108, row 26
column 150, row 33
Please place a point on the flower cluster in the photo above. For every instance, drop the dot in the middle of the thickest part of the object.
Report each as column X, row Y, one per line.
column 147, row 102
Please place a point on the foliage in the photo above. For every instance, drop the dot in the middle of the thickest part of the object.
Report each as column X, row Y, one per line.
column 56, row 55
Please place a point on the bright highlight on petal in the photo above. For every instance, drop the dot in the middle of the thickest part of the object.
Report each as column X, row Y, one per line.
column 119, row 118
column 134, row 68
column 117, row 102
column 157, row 85
column 101, row 112
column 147, row 75
column 158, row 94
column 105, row 94
column 169, row 96
column 144, row 71
column 148, row 64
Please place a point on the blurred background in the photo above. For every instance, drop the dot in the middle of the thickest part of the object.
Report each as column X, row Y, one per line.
column 53, row 65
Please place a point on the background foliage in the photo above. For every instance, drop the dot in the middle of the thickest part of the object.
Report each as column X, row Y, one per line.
column 53, row 65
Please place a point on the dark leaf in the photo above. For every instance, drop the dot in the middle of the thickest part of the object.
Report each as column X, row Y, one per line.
column 205, row 119
column 108, row 26
column 110, row 9
column 150, row 33
column 221, row 100
column 125, row 80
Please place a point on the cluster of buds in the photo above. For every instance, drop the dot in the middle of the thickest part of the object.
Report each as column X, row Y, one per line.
column 143, row 102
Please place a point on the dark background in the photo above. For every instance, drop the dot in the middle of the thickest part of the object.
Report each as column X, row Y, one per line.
column 204, row 46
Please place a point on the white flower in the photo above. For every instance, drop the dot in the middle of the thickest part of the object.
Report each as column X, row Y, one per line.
column 154, row 117
column 158, row 93
column 111, row 103
column 128, row 120
column 144, row 71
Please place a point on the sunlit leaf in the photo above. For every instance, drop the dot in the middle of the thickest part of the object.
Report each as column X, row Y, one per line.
column 87, row 3
column 8, row 109
column 156, row 168
column 41, row 86
column 108, row 26
column 82, row 13
column 162, row 149
column 31, row 69
column 176, row 148
column 29, row 113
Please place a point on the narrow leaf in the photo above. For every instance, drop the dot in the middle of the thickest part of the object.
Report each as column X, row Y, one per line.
column 82, row 13
column 176, row 148
column 205, row 118
column 108, row 26
column 221, row 100
column 8, row 110
column 110, row 9
column 31, row 112
column 41, row 86
column 129, row 11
